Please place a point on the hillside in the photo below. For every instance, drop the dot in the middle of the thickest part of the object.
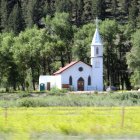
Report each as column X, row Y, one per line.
column 16, row 15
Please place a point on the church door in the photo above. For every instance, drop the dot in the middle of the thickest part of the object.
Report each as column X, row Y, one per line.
column 48, row 85
column 42, row 87
column 80, row 84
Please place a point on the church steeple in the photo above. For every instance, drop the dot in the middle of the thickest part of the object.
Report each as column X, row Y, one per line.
column 97, row 59
column 96, row 45
column 96, row 38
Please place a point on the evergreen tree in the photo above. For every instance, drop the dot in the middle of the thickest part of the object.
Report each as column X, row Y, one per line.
column 133, row 58
column 133, row 13
column 63, row 6
column 77, row 12
column 88, row 14
column 99, row 9
column 38, row 11
column 114, row 8
column 125, row 6
column 15, row 20
column 3, row 15
column 49, row 7
column 28, row 12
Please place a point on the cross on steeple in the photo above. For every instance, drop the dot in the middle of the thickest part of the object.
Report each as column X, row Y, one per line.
column 96, row 21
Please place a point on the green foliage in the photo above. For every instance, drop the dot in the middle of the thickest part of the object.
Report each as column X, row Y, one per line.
column 82, row 40
column 17, row 15
column 28, row 80
column 133, row 13
column 8, row 68
column 56, row 91
column 133, row 58
column 28, row 102
column 63, row 98
column 24, row 94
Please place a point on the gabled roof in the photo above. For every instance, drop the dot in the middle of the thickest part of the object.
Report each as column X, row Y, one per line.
column 96, row 38
column 67, row 66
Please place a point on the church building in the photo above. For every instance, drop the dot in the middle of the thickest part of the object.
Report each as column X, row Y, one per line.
column 79, row 76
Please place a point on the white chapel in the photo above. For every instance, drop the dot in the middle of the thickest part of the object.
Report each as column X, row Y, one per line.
column 79, row 76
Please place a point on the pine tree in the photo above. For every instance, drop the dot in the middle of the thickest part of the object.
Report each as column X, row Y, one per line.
column 77, row 12
column 3, row 15
column 49, row 7
column 63, row 6
column 38, row 11
column 133, row 13
column 27, row 10
column 114, row 10
column 88, row 14
column 99, row 9
column 15, row 20
column 125, row 5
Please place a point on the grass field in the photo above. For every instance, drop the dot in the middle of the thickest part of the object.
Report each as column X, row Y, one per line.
column 33, row 123
column 66, row 99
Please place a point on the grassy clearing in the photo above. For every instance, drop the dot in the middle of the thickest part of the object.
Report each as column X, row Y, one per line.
column 24, row 123
column 45, row 100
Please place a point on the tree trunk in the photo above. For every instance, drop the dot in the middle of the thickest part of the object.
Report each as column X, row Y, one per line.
column 23, row 86
column 44, row 66
column 62, row 60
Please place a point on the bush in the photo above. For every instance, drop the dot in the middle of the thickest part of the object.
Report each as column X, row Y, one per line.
column 104, row 99
column 24, row 94
column 28, row 102
column 56, row 91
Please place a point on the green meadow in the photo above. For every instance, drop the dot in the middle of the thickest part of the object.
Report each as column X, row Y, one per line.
column 30, row 123
column 58, row 98
column 68, row 116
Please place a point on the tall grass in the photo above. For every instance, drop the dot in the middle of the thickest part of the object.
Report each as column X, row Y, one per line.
column 44, row 100
column 90, row 121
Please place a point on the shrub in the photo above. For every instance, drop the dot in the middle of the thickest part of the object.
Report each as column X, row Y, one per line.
column 106, row 99
column 28, row 102
column 56, row 91
column 24, row 94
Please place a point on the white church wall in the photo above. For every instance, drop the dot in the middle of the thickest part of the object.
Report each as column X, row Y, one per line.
column 58, row 81
column 45, row 79
column 76, row 74
column 97, row 74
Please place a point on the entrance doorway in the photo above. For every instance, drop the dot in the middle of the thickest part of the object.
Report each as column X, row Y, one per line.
column 48, row 85
column 42, row 87
column 80, row 84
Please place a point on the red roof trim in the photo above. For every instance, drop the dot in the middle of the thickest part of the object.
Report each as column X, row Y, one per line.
column 68, row 66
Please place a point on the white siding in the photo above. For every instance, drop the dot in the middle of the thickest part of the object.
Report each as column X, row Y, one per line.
column 76, row 74
column 47, row 78
column 58, row 81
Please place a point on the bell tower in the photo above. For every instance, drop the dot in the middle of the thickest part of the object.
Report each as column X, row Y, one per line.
column 97, row 60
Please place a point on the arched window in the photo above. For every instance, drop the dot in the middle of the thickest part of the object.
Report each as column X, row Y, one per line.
column 70, row 80
column 89, row 81
column 97, row 50
column 97, row 64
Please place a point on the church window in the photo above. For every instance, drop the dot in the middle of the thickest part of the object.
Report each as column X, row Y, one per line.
column 97, row 64
column 70, row 80
column 89, row 81
column 97, row 51
column 80, row 69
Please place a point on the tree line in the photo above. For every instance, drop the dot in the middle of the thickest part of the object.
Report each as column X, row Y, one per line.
column 39, row 37
column 17, row 15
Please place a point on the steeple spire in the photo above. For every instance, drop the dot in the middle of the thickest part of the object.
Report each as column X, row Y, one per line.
column 96, row 38
column 97, row 21
column 97, row 59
